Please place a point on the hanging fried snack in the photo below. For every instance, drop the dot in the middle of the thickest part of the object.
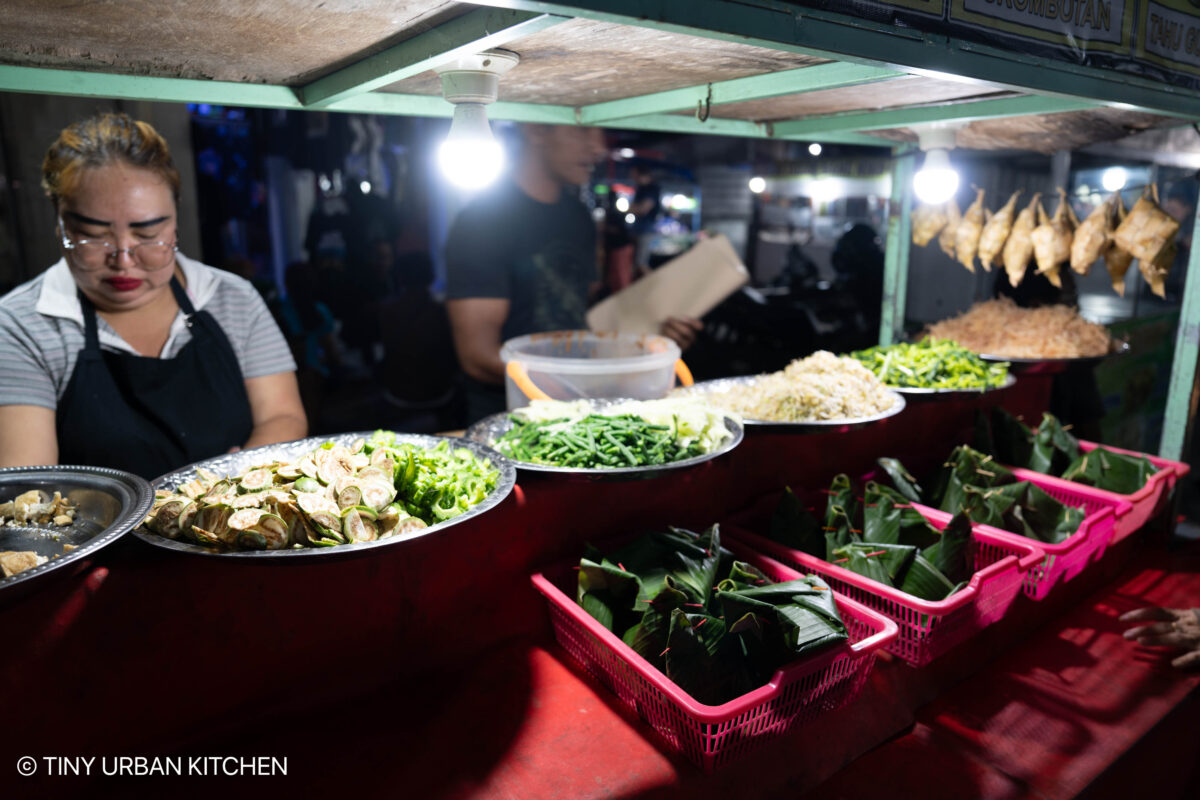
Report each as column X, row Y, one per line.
column 953, row 217
column 966, row 237
column 928, row 220
column 1019, row 247
column 995, row 232
column 1155, row 272
column 1148, row 229
column 1091, row 237
column 1117, row 260
column 1052, row 240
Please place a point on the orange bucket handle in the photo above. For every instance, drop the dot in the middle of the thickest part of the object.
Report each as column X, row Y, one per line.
column 683, row 373
column 516, row 371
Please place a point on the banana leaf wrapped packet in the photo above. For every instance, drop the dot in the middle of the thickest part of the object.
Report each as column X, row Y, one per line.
column 991, row 495
column 996, row 232
column 888, row 541
column 968, row 233
column 1117, row 260
column 946, row 239
column 1018, row 248
column 1052, row 239
column 1092, row 237
column 928, row 220
column 715, row 626
column 1052, row 450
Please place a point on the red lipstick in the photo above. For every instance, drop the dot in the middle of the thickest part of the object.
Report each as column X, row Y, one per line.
column 124, row 284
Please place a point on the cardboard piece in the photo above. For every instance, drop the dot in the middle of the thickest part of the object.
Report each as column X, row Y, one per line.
column 687, row 286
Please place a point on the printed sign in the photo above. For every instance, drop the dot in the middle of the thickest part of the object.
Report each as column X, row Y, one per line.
column 1169, row 34
column 1079, row 24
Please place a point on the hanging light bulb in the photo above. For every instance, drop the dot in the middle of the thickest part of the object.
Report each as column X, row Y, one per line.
column 814, row 149
column 937, row 180
column 1114, row 179
column 757, row 184
column 471, row 158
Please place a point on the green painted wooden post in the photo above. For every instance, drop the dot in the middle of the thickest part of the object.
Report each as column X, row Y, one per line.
column 1178, row 420
column 899, row 236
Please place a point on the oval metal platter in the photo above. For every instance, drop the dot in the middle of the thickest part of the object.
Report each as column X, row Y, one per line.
column 489, row 429
column 1051, row 365
column 109, row 503
column 233, row 463
column 913, row 394
column 720, row 385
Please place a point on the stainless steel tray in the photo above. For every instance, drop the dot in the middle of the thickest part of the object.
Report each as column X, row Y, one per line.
column 1025, row 366
column 233, row 463
column 489, row 429
column 109, row 504
column 914, row 394
column 753, row 426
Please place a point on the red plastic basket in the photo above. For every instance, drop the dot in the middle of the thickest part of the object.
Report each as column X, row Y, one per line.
column 1148, row 501
column 1068, row 558
column 714, row 735
column 928, row 629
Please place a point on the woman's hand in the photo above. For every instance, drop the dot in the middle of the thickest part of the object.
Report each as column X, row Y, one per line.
column 1171, row 627
column 682, row 330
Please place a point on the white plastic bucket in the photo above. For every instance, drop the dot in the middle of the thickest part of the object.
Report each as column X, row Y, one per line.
column 569, row 365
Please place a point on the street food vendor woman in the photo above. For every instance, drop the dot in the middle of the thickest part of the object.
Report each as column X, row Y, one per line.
column 125, row 353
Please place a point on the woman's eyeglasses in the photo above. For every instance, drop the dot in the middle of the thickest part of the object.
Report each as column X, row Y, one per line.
column 95, row 253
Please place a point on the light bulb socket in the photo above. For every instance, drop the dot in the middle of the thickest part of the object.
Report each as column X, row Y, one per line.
column 475, row 78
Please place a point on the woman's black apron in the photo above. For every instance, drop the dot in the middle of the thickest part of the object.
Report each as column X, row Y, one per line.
column 150, row 416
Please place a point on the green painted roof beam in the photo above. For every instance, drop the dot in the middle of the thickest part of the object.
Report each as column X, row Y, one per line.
column 917, row 115
column 140, row 87
column 473, row 32
column 419, row 105
column 755, row 87
column 716, row 126
column 827, row 34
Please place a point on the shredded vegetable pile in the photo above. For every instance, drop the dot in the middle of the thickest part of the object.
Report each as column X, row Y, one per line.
column 820, row 387
column 633, row 434
column 1000, row 327
column 932, row 364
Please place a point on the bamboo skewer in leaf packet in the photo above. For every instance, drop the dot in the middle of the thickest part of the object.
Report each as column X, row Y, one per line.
column 1052, row 239
column 928, row 221
column 996, row 232
column 1148, row 233
column 966, row 236
column 1018, row 249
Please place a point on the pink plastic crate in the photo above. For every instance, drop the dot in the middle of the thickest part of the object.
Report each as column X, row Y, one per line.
column 927, row 628
column 1148, row 501
column 714, row 735
column 1068, row 558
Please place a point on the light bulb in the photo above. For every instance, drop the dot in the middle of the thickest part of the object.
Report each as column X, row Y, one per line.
column 814, row 149
column 630, row 218
column 365, row 187
column 1114, row 179
column 626, row 152
column 937, row 181
column 758, row 185
column 622, row 204
column 470, row 157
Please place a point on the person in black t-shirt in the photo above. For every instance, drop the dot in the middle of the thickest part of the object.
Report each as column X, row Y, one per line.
column 521, row 258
